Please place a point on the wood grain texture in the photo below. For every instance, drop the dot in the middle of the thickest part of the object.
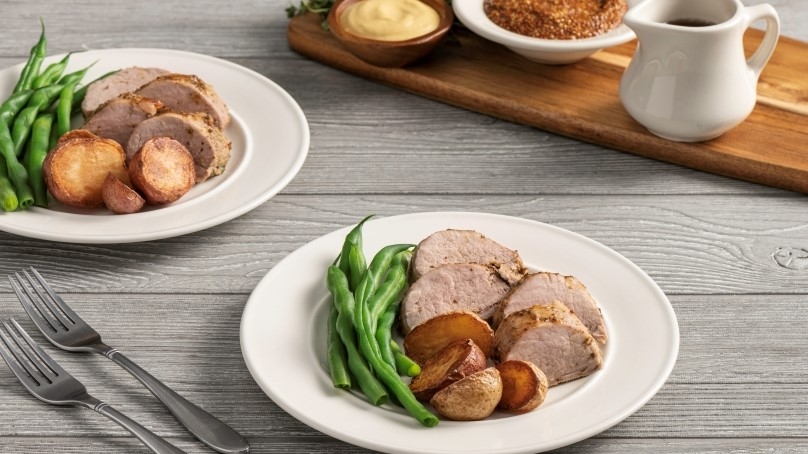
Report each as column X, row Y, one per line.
column 719, row 245
column 728, row 253
column 581, row 100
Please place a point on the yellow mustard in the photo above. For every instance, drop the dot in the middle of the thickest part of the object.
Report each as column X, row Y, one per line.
column 390, row 20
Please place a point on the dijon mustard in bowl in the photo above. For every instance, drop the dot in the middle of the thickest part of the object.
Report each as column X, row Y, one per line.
column 390, row 33
column 549, row 32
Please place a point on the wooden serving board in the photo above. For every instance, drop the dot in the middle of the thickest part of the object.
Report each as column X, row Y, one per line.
column 581, row 100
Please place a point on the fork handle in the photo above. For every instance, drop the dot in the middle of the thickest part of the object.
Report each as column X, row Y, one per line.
column 149, row 438
column 204, row 426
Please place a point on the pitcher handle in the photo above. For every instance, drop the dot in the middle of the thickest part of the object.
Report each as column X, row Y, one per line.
column 761, row 56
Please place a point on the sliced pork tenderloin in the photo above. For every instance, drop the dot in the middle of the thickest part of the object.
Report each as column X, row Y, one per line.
column 552, row 338
column 187, row 93
column 543, row 288
column 126, row 80
column 465, row 246
column 450, row 288
column 118, row 117
column 207, row 143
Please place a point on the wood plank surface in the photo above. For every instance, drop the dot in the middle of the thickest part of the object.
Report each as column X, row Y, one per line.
column 582, row 101
column 726, row 252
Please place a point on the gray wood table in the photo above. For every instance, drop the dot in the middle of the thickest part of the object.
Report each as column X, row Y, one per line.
column 717, row 247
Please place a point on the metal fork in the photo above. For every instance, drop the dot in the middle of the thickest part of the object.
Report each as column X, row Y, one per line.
column 48, row 382
column 66, row 330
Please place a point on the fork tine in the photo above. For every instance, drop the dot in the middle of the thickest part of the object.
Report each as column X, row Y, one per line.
column 39, row 315
column 30, row 374
column 40, row 358
column 13, row 363
column 72, row 317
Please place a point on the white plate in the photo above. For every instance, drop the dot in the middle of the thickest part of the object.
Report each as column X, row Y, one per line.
column 283, row 343
column 270, row 138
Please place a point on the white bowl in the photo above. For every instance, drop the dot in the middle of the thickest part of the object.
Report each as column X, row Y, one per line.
column 549, row 51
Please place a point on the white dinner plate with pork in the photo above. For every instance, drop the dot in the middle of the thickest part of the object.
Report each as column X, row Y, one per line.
column 283, row 340
column 267, row 129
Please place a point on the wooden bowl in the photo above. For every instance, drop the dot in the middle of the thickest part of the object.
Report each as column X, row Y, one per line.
column 390, row 54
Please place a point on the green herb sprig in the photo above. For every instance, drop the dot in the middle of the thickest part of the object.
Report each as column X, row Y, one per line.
column 321, row 7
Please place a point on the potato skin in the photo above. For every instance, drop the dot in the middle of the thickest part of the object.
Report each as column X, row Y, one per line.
column 457, row 360
column 75, row 170
column 119, row 197
column 471, row 398
column 163, row 170
column 431, row 336
column 524, row 385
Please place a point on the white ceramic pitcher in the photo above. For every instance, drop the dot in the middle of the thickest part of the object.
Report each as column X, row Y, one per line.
column 689, row 79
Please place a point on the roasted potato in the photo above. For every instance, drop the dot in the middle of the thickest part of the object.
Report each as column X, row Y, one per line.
column 76, row 168
column 457, row 360
column 75, row 134
column 163, row 170
column 431, row 336
column 524, row 385
column 471, row 398
column 119, row 197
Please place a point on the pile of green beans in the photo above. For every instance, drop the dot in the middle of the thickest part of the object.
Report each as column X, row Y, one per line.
column 34, row 115
column 365, row 303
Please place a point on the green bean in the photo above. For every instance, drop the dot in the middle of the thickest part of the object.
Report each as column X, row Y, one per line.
column 404, row 365
column 12, row 106
column 54, row 137
column 78, row 97
column 384, row 336
column 63, row 109
column 39, row 146
column 353, row 238
column 51, row 74
column 358, row 266
column 384, row 306
column 8, row 198
column 21, row 129
column 390, row 289
column 31, row 69
column 16, row 171
column 76, row 76
column 336, row 354
column 337, row 284
column 378, row 269
column 41, row 99
column 370, row 349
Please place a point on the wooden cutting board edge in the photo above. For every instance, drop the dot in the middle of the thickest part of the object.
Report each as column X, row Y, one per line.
column 306, row 37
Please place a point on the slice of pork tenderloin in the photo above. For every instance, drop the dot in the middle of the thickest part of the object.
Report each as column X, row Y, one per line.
column 207, row 143
column 465, row 246
column 449, row 288
column 126, row 80
column 118, row 117
column 187, row 93
column 543, row 288
column 552, row 338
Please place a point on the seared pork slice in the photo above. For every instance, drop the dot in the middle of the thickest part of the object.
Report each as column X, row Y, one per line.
column 552, row 338
column 187, row 93
column 544, row 288
column 450, row 288
column 465, row 246
column 126, row 80
column 207, row 143
column 118, row 117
